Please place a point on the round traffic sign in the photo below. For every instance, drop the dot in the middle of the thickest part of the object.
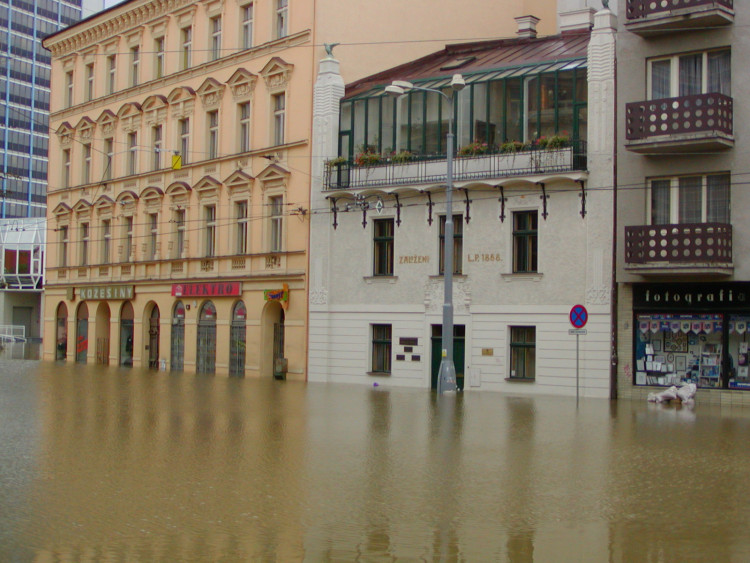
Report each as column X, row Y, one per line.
column 578, row 316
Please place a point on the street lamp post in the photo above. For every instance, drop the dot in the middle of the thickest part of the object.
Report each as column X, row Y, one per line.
column 447, row 373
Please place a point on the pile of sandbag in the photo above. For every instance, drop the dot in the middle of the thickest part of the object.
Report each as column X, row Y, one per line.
column 686, row 394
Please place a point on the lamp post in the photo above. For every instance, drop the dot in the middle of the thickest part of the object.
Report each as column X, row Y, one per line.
column 447, row 373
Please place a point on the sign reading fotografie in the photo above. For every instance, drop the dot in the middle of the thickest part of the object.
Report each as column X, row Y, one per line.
column 691, row 296
column 211, row 289
column 105, row 292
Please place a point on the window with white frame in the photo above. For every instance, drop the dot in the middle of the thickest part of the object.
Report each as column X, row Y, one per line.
column 247, row 26
column 89, row 82
column 215, row 38
column 209, row 215
column 132, row 152
column 84, row 242
column 111, row 73
column 212, row 120
column 66, row 168
column 690, row 199
column 241, row 217
column 86, row 163
column 279, row 115
column 63, row 246
column 135, row 62
column 276, row 206
column 158, row 57
column 244, row 128
column 186, row 35
column 705, row 72
column 282, row 15
column 69, row 88
column 156, row 146
column 127, row 238
column 109, row 153
column 522, row 352
column 184, row 129
column 153, row 229
column 106, row 240
column 179, row 220
column 381, row 348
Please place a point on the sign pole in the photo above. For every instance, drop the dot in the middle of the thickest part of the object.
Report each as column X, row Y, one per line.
column 578, row 336
column 578, row 316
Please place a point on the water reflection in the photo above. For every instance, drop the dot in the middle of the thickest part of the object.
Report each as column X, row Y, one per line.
column 98, row 463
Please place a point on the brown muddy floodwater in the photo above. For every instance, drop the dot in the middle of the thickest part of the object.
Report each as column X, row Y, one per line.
column 107, row 464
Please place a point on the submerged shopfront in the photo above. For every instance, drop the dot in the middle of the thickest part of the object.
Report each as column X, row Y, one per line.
column 691, row 333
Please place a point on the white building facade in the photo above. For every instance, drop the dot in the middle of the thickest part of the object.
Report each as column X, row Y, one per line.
column 531, row 206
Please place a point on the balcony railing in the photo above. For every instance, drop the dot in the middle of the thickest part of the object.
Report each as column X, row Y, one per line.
column 671, row 124
column 688, row 244
column 649, row 16
column 430, row 170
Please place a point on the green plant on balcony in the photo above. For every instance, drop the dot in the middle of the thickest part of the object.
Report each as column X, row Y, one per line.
column 474, row 149
column 557, row 141
column 368, row 157
column 401, row 157
column 514, row 146
column 336, row 161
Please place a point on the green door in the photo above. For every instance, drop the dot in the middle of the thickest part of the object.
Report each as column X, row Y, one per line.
column 459, row 341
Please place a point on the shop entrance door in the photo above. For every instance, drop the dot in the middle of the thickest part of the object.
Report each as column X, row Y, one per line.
column 177, row 351
column 206, row 359
column 153, row 339
column 459, row 342
column 82, row 333
column 237, row 340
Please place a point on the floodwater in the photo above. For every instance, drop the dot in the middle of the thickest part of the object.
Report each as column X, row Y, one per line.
column 107, row 464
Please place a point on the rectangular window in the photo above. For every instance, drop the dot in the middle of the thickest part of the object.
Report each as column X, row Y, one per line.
column 69, row 88
column 184, row 128
column 89, row 82
column 282, row 15
column 109, row 153
column 179, row 219
column 458, row 244
column 213, row 134
column 690, row 199
column 707, row 72
column 279, row 111
column 523, row 352
column 135, row 61
column 215, row 38
column 84, row 257
column 277, row 222
column 111, row 73
column 244, row 129
column 128, row 249
column 86, row 164
column 66, row 168
column 64, row 246
column 156, row 145
column 153, row 227
column 247, row 26
column 187, row 44
column 106, row 240
column 525, row 225
column 132, row 153
column 383, row 247
column 240, row 215
column 159, row 57
column 209, row 214
column 381, row 348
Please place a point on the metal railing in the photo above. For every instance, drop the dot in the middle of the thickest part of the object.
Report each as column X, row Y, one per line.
column 640, row 9
column 675, row 116
column 700, row 243
column 12, row 333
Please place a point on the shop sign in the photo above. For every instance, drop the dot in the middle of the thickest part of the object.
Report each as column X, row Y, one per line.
column 280, row 295
column 214, row 289
column 106, row 292
column 727, row 296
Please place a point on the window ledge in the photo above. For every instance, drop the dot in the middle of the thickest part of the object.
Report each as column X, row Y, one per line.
column 455, row 276
column 380, row 279
column 536, row 276
column 520, row 379
column 379, row 373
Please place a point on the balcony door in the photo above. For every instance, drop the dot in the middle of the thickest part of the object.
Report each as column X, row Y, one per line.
column 706, row 72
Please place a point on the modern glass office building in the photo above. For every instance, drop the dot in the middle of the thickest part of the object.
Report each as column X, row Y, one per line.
column 24, row 100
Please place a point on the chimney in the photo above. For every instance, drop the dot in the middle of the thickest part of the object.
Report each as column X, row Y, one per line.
column 527, row 26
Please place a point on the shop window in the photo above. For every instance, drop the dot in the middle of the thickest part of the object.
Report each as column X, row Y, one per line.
column 522, row 352
column 739, row 355
column 381, row 348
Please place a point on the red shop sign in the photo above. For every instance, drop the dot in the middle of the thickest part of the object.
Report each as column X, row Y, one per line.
column 214, row 289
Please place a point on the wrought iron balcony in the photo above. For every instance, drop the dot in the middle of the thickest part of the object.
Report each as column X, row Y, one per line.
column 648, row 17
column 432, row 169
column 687, row 247
column 670, row 125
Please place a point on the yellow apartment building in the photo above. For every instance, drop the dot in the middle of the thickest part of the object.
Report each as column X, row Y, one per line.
column 179, row 171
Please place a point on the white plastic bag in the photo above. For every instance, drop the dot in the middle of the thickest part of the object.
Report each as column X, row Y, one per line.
column 663, row 397
column 686, row 393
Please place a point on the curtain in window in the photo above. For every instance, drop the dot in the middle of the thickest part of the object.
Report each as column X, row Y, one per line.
column 719, row 73
column 690, row 199
column 660, row 72
column 718, row 199
column 691, row 70
column 660, row 190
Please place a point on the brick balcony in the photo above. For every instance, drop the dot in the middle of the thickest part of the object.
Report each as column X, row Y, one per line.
column 688, row 248
column 651, row 17
column 671, row 125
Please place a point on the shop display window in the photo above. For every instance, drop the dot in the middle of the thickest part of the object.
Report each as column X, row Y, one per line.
column 672, row 349
column 739, row 359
